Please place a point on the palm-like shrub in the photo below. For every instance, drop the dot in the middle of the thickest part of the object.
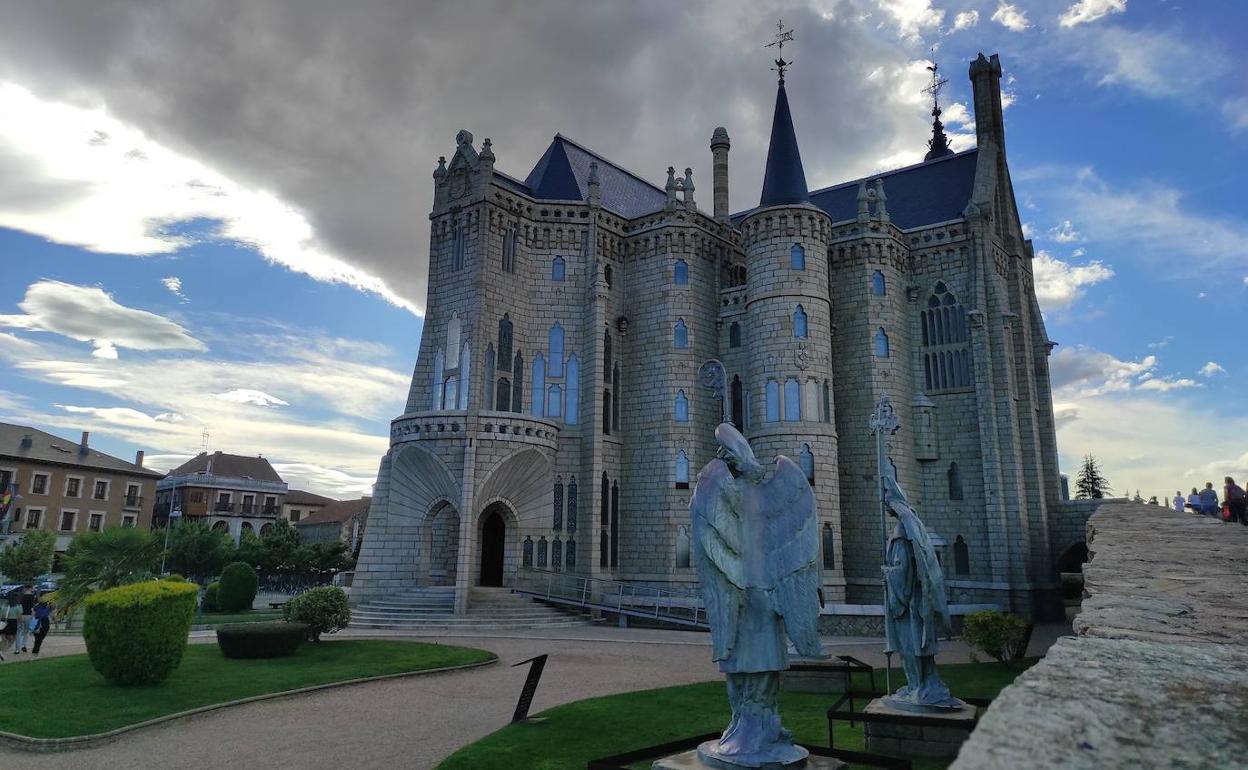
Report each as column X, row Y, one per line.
column 97, row 561
column 238, row 587
column 136, row 634
column 197, row 550
column 324, row 610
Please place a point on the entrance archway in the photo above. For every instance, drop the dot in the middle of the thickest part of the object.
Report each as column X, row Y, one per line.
column 493, row 546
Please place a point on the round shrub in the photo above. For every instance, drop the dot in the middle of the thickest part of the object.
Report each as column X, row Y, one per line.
column 260, row 640
column 211, row 593
column 136, row 633
column 174, row 577
column 238, row 587
column 997, row 634
column 323, row 609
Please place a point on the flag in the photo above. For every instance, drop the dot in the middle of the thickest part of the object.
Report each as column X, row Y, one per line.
column 6, row 499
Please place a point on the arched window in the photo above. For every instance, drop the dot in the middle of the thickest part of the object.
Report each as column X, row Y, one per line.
column 606, row 356
column 457, row 248
column 954, row 476
column 772, row 393
column 556, row 554
column 604, row 550
column 797, row 257
column 558, row 269
column 737, row 397
column 807, row 461
column 792, row 400
column 680, row 273
column 680, row 334
column 572, row 405
column 570, row 547
column 734, row 335
column 827, row 401
column 509, row 250
column 538, row 400
column 799, row 322
column 605, row 491
column 615, row 524
column 572, row 506
column 437, row 380
column 607, row 275
column 504, row 339
column 810, row 399
column 450, row 386
column 946, row 350
column 453, row 328
column 682, row 406
column 517, row 385
column 881, row 343
column 502, row 395
column 615, row 404
column 489, row 377
column 682, row 547
column 554, row 401
column 557, row 521
column 829, row 546
column 465, row 364
column 877, row 283
column 961, row 556
column 606, row 412
column 682, row 470
column 555, row 340
column 542, row 547
column 527, row 557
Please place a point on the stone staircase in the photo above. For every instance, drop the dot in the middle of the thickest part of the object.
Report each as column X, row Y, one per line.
column 489, row 609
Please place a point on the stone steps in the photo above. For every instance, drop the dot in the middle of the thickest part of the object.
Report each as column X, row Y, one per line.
column 489, row 609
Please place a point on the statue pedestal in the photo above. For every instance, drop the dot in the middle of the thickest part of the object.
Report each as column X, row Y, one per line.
column 827, row 675
column 690, row 760
column 919, row 738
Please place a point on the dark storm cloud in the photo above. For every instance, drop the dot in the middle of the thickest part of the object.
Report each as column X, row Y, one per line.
column 342, row 109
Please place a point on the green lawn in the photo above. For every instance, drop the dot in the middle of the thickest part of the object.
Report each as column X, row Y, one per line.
column 574, row 733
column 61, row 697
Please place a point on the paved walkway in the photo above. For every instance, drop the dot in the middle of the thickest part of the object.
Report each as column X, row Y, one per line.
column 414, row 723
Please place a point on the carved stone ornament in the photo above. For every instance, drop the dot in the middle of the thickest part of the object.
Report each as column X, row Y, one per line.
column 802, row 357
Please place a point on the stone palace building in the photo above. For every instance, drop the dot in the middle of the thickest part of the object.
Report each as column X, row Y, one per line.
column 555, row 419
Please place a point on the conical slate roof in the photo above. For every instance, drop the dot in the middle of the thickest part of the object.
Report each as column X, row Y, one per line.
column 785, row 180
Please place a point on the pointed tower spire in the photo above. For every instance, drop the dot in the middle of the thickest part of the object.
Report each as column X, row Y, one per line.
column 784, row 180
column 938, row 145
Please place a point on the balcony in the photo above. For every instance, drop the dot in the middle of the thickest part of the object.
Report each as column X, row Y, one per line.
column 247, row 509
column 270, row 510
column 133, row 502
column 223, row 507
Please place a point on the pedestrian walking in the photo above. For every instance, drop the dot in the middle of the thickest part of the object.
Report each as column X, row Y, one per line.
column 8, row 633
column 1235, row 501
column 42, row 624
column 1209, row 500
column 27, row 599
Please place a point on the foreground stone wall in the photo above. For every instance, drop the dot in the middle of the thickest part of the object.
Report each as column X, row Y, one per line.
column 1157, row 673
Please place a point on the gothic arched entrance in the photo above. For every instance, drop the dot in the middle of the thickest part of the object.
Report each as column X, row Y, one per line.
column 493, row 545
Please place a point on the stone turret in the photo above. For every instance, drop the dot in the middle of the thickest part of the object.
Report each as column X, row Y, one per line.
column 719, row 157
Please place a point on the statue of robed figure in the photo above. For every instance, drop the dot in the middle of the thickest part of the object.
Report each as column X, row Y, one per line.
column 917, row 608
column 756, row 546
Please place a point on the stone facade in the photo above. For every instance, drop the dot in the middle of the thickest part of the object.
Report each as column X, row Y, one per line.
column 555, row 406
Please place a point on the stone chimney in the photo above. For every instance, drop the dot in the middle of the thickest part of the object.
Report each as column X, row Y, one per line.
column 985, row 74
column 719, row 176
column 84, row 446
column 27, row 441
column 138, row 458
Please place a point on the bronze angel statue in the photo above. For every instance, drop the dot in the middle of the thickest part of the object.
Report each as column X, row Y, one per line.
column 756, row 547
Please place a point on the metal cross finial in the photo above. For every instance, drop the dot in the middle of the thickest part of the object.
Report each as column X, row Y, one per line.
column 938, row 83
column 782, row 36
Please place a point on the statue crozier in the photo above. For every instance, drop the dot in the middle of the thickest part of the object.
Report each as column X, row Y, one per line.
column 756, row 546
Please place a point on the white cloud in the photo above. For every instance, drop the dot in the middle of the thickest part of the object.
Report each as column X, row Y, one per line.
column 331, row 481
column 1161, row 343
column 88, row 314
column 1086, row 11
column 1212, row 368
column 913, row 16
column 1152, row 63
column 965, row 20
column 174, row 285
column 1085, row 371
column 1064, row 233
column 1165, row 386
column 1236, row 113
column 91, row 180
column 1028, row 230
column 1060, row 284
column 1011, row 17
column 250, row 396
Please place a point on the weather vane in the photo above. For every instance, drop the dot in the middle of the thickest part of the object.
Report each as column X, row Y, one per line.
column 782, row 36
column 938, row 83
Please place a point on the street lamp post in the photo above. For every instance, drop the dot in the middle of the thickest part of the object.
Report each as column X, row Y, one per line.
column 174, row 514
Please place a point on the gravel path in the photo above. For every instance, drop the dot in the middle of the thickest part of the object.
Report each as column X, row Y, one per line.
column 414, row 723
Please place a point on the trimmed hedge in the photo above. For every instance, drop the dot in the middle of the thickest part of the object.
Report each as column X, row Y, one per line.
column 276, row 639
column 174, row 577
column 210, row 597
column 136, row 633
column 324, row 610
column 238, row 587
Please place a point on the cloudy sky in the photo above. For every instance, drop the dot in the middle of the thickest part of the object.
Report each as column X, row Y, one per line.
column 213, row 213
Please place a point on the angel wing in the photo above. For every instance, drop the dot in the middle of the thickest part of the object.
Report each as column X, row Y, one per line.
column 792, row 545
column 717, row 553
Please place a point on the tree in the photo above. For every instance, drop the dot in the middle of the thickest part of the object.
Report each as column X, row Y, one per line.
column 1091, row 484
column 279, row 549
column 97, row 561
column 197, row 550
column 28, row 558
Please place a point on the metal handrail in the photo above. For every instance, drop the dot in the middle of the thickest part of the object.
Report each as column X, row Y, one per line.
column 676, row 605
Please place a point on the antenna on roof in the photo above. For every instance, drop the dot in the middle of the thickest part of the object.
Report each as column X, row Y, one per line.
column 782, row 36
column 203, row 447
